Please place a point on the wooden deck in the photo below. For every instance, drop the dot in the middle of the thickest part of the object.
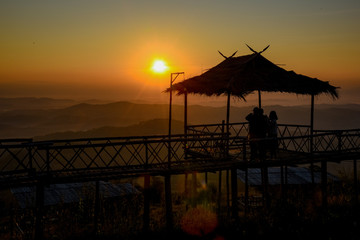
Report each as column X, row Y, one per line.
column 203, row 148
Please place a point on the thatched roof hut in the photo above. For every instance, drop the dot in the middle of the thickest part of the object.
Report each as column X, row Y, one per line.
column 242, row 75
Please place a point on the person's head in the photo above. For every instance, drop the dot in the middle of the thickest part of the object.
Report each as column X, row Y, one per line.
column 261, row 111
column 256, row 110
column 273, row 115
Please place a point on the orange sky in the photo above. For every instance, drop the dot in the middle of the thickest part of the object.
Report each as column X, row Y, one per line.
column 104, row 49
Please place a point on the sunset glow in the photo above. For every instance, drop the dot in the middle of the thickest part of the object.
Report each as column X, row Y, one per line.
column 159, row 66
column 114, row 50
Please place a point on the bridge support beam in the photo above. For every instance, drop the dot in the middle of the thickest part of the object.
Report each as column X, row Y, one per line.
column 265, row 183
column 146, row 217
column 324, row 188
column 168, row 203
column 194, row 187
column 39, row 227
column 219, row 194
column 284, row 182
column 246, row 192
column 234, row 194
column 356, row 190
column 96, row 207
column 228, row 192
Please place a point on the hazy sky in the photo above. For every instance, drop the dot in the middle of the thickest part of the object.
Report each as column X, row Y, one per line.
column 104, row 49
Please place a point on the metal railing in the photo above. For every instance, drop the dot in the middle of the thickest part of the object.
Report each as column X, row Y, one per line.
column 26, row 158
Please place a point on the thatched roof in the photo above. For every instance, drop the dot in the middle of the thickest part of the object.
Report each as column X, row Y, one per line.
column 245, row 74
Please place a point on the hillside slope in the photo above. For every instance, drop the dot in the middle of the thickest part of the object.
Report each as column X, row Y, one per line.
column 15, row 123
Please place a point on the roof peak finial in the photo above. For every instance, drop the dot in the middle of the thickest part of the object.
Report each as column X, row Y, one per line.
column 256, row 51
column 226, row 56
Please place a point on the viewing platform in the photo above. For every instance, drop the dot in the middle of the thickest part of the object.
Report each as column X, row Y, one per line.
column 203, row 148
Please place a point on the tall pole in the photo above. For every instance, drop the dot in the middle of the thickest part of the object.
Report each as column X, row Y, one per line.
column 259, row 93
column 185, row 113
column 173, row 77
column 227, row 123
column 185, row 124
column 311, row 137
column 168, row 201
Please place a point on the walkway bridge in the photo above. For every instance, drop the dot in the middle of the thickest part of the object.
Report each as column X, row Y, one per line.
column 203, row 148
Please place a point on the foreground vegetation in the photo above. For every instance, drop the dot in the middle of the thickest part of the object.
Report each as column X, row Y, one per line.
column 299, row 215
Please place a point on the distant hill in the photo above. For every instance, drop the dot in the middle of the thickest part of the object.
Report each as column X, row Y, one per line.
column 47, row 118
column 146, row 128
column 26, row 103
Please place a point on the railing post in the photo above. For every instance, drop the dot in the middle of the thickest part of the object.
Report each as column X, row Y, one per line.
column 39, row 228
column 244, row 150
column 146, row 154
column 223, row 137
column 47, row 160
column 30, row 165
column 169, row 153
column 339, row 137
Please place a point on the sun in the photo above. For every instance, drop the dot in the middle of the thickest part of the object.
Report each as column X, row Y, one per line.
column 159, row 66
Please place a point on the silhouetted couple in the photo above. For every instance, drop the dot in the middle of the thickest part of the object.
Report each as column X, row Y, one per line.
column 272, row 134
column 261, row 127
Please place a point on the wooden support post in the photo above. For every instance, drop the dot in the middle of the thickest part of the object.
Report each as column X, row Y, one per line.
column 12, row 220
column 312, row 138
column 96, row 207
column 356, row 190
column 39, row 225
column 47, row 160
column 185, row 113
column 168, row 203
column 234, row 196
column 146, row 217
column 224, row 153
column 246, row 192
column 186, row 185
column 265, row 182
column 219, row 194
column 30, row 166
column 185, row 125
column 286, row 182
column 228, row 191
column 227, row 124
column 193, row 188
column 259, row 95
column 324, row 188
column 282, row 183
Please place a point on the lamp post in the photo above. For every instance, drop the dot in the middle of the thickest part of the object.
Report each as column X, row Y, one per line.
column 173, row 77
column 168, row 201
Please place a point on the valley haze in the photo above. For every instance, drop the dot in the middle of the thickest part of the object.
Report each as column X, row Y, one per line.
column 49, row 118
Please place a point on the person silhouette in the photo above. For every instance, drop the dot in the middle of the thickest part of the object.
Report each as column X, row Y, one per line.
column 272, row 134
column 251, row 118
column 257, row 133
